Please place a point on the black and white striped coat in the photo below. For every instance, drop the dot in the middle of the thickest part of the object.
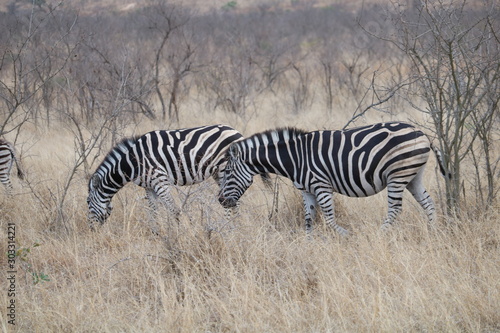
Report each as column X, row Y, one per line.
column 7, row 159
column 158, row 160
column 358, row 162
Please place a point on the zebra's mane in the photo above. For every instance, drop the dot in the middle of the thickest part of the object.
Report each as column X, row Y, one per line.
column 279, row 133
column 121, row 147
column 125, row 144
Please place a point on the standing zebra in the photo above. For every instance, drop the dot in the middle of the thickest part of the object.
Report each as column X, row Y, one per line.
column 157, row 160
column 7, row 157
column 359, row 162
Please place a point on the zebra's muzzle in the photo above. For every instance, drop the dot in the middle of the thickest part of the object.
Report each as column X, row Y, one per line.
column 227, row 202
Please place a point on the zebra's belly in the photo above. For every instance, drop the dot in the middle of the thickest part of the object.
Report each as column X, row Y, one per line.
column 161, row 178
column 357, row 189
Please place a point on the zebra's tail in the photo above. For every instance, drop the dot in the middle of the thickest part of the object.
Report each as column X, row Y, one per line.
column 439, row 157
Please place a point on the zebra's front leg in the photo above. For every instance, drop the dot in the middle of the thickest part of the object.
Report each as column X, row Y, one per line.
column 310, row 209
column 163, row 192
column 325, row 200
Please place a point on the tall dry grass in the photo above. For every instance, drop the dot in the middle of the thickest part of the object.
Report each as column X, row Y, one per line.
column 249, row 274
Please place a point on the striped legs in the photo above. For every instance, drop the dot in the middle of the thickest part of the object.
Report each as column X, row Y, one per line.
column 159, row 188
column 163, row 194
column 395, row 191
column 324, row 198
column 420, row 194
column 152, row 198
column 310, row 209
column 167, row 200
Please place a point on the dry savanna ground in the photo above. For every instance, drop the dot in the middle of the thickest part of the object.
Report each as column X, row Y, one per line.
column 251, row 273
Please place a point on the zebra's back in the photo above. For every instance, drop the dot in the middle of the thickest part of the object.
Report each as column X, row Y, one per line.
column 359, row 162
column 187, row 156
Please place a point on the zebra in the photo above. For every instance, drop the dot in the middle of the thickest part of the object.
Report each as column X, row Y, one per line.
column 357, row 162
column 157, row 160
column 7, row 158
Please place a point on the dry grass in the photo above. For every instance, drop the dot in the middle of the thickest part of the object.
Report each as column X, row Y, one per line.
column 247, row 275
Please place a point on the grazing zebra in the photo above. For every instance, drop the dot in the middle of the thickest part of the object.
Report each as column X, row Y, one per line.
column 7, row 157
column 157, row 160
column 358, row 162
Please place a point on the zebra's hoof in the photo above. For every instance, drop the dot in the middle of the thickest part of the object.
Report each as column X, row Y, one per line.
column 386, row 227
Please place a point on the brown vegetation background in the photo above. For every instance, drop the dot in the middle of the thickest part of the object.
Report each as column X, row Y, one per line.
column 78, row 76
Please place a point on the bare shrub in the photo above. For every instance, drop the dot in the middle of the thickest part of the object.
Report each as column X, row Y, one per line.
column 454, row 55
column 31, row 59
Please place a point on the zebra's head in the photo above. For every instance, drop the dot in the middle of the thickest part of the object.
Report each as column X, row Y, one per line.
column 99, row 203
column 237, row 178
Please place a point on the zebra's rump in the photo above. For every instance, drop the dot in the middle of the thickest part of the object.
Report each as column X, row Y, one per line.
column 7, row 159
column 6, row 155
column 360, row 162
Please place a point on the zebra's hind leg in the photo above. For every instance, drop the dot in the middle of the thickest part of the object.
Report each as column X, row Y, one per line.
column 417, row 189
column 395, row 191
column 325, row 200
column 153, row 209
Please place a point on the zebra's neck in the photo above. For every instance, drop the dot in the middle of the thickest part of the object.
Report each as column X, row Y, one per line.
column 117, row 168
column 274, row 151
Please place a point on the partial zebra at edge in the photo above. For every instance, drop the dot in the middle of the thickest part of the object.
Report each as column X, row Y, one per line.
column 7, row 159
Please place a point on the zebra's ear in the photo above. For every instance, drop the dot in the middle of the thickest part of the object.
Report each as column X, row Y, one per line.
column 234, row 152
